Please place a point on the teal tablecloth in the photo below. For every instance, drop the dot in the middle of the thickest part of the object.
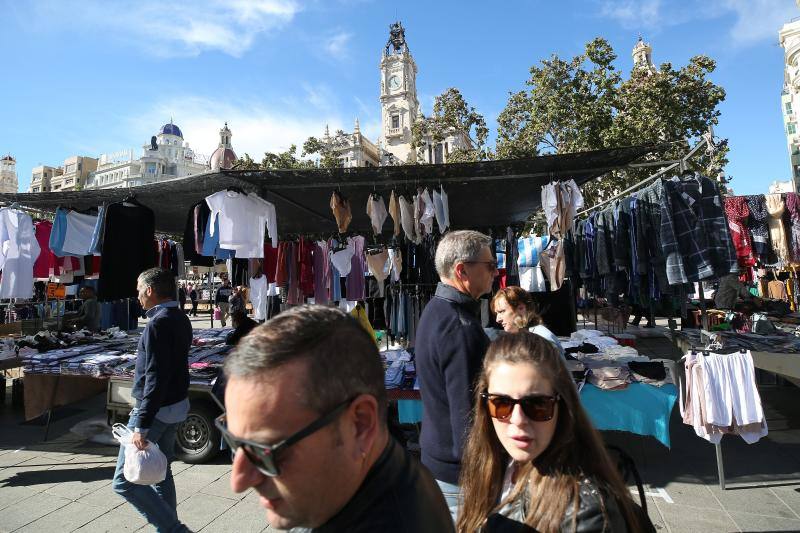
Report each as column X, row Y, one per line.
column 640, row 408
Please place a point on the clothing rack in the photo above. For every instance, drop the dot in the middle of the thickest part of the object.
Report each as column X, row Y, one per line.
column 707, row 140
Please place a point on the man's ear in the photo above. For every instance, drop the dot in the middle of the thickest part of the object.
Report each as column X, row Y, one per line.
column 459, row 271
column 364, row 414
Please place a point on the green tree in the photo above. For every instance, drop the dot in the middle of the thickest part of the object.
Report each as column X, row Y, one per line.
column 273, row 160
column 325, row 150
column 585, row 104
column 452, row 115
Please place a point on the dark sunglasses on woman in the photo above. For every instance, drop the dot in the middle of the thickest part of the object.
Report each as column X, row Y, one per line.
column 265, row 457
column 539, row 408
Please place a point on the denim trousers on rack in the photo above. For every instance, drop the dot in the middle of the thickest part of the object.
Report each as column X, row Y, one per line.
column 157, row 503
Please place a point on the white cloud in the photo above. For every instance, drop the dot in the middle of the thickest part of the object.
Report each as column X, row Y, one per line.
column 256, row 127
column 180, row 28
column 336, row 45
column 753, row 20
column 632, row 14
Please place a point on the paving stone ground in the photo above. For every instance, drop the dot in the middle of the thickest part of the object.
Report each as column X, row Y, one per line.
column 65, row 484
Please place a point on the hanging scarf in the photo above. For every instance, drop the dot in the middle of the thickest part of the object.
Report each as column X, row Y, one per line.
column 737, row 210
column 759, row 227
column 793, row 206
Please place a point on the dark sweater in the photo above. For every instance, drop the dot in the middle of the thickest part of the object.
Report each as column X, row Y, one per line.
column 162, row 363
column 449, row 346
column 397, row 496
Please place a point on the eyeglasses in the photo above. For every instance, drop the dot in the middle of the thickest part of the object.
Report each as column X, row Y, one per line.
column 537, row 408
column 265, row 457
column 492, row 263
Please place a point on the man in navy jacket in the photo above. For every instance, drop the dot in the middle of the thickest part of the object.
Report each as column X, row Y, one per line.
column 160, row 388
column 450, row 345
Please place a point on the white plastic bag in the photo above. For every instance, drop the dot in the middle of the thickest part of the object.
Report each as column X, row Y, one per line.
column 142, row 467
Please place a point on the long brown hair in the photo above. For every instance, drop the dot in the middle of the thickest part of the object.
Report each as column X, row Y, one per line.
column 514, row 297
column 552, row 479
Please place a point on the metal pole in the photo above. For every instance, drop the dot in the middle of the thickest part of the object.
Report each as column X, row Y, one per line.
column 720, row 466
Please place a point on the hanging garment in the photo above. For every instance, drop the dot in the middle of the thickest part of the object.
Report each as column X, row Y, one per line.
column 759, row 226
column 419, row 211
column 341, row 211
column 777, row 232
column 97, row 234
column 59, row 232
column 777, row 290
column 190, row 248
column 127, row 249
column 211, row 247
column 428, row 213
column 379, row 266
column 441, row 209
column 322, row 273
column 342, row 259
column 529, row 249
column 394, row 212
column 270, row 261
column 376, row 210
column 695, row 237
column 737, row 210
column 356, row 286
column 553, row 264
column 395, row 263
column 78, row 237
column 305, row 273
column 19, row 250
column 793, row 207
column 407, row 219
column 241, row 222
column 46, row 263
column 258, row 297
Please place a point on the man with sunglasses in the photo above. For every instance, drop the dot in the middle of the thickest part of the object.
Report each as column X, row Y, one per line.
column 306, row 423
column 450, row 345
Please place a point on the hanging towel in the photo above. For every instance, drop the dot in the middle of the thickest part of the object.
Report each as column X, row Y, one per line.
column 759, row 227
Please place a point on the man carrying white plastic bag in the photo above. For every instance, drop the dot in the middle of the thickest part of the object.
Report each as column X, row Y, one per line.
column 142, row 467
column 160, row 388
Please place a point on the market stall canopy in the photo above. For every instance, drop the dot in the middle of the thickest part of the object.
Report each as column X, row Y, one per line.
column 481, row 195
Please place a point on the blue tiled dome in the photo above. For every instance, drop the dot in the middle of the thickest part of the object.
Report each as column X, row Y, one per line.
column 171, row 129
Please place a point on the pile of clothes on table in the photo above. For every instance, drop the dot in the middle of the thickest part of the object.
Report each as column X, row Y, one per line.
column 399, row 368
column 602, row 361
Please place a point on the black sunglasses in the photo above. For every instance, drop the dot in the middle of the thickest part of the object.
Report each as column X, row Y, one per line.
column 492, row 263
column 537, row 408
column 265, row 457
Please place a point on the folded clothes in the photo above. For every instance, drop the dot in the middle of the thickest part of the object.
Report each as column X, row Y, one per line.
column 582, row 348
column 610, row 378
column 651, row 370
column 583, row 334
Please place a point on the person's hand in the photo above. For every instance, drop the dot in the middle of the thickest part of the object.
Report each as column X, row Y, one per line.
column 139, row 441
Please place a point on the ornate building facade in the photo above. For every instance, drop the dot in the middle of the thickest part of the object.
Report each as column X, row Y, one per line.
column 167, row 157
column 400, row 109
column 789, row 37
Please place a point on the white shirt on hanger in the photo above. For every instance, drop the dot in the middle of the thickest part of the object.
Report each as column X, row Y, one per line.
column 241, row 222
column 80, row 230
column 18, row 251
column 258, row 297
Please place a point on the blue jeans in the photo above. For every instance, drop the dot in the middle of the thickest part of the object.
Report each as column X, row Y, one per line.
column 452, row 496
column 157, row 503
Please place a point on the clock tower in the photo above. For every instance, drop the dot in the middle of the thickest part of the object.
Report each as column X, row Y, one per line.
column 399, row 105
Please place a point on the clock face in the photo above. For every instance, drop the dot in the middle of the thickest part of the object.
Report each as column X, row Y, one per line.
column 394, row 82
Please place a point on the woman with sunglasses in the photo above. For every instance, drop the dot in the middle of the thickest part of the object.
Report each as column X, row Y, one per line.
column 533, row 461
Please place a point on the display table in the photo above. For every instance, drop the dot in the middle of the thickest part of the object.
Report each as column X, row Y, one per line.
column 43, row 392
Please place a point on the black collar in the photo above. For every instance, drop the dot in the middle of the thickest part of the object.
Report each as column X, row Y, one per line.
column 451, row 294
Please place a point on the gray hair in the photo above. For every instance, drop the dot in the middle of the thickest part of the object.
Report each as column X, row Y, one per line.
column 343, row 359
column 457, row 247
column 162, row 281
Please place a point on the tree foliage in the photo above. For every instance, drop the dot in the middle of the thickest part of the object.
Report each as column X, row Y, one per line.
column 452, row 115
column 272, row 160
column 326, row 151
column 585, row 104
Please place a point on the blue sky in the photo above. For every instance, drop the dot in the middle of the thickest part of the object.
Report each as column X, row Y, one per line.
column 92, row 76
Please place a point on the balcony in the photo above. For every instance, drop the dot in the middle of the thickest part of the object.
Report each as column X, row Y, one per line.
column 394, row 132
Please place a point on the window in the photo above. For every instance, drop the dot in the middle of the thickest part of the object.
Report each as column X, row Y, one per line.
column 35, row 189
column 791, row 128
column 788, row 107
column 395, row 121
column 437, row 154
column 446, row 150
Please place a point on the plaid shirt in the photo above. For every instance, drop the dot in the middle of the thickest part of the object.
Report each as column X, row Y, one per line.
column 694, row 232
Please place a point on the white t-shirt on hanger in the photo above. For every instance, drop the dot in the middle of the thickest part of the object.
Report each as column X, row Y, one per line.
column 242, row 220
column 78, row 237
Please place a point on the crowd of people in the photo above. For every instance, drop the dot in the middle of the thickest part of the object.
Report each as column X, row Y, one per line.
column 505, row 442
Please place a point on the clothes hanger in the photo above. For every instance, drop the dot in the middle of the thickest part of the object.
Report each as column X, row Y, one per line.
column 234, row 188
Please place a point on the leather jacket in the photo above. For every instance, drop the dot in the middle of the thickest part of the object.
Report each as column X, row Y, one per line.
column 399, row 495
column 590, row 519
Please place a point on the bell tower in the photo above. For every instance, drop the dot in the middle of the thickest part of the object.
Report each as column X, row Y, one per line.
column 399, row 104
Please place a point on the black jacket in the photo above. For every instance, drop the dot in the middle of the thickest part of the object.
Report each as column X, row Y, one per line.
column 162, row 363
column 398, row 496
column 589, row 519
column 449, row 346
